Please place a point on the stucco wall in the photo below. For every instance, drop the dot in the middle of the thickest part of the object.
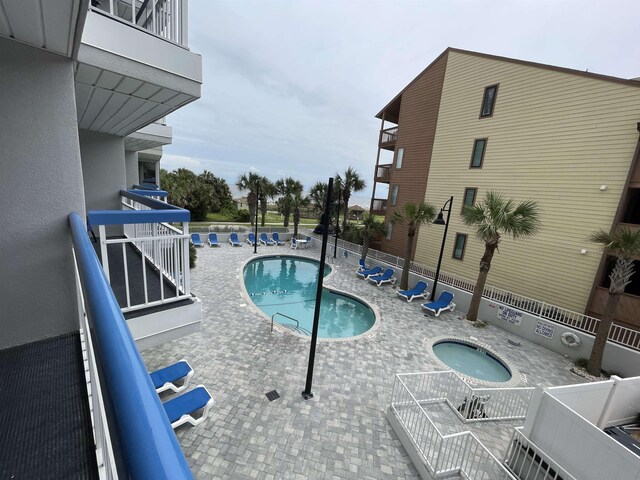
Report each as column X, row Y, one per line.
column 103, row 167
column 40, row 184
column 131, row 168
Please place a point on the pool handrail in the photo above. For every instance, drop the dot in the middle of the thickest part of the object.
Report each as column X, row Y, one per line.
column 298, row 327
column 147, row 442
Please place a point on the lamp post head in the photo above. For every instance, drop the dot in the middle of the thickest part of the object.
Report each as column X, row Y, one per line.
column 439, row 220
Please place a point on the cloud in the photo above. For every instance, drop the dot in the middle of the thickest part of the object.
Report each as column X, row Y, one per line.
column 291, row 87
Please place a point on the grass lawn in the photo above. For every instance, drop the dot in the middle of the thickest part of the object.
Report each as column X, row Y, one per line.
column 270, row 218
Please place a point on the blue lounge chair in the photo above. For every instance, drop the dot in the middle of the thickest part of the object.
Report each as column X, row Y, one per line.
column 371, row 271
column 213, row 240
column 386, row 277
column 174, row 377
column 180, row 410
column 195, row 239
column 251, row 239
column 419, row 291
column 308, row 244
column 444, row 302
column 266, row 240
column 294, row 243
column 233, row 240
column 361, row 266
column 276, row 238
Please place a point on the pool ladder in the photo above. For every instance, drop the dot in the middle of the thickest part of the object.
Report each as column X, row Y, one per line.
column 295, row 328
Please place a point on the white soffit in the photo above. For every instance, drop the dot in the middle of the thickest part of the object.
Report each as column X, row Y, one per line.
column 46, row 24
column 109, row 102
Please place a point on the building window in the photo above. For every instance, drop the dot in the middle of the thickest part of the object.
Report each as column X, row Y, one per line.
column 389, row 231
column 488, row 101
column 469, row 197
column 394, row 194
column 477, row 156
column 399, row 156
column 458, row 248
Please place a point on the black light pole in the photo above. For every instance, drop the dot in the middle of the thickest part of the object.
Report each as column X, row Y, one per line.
column 335, row 245
column 306, row 393
column 255, row 243
column 440, row 221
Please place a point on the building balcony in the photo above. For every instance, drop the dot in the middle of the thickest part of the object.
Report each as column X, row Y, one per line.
column 379, row 206
column 152, row 136
column 146, row 261
column 134, row 66
column 383, row 173
column 388, row 138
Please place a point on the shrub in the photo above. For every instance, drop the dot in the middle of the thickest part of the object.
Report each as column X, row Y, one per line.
column 581, row 363
column 241, row 215
column 193, row 255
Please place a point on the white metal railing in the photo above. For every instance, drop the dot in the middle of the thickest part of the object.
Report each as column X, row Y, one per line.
column 529, row 462
column 163, row 250
column 617, row 334
column 107, row 468
column 495, row 403
column 164, row 18
column 444, row 455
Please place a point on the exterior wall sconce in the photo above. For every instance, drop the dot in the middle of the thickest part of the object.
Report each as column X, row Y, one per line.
column 603, row 188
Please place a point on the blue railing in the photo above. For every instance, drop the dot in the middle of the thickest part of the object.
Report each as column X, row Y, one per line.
column 159, row 211
column 146, row 440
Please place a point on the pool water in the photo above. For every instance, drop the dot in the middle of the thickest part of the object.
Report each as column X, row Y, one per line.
column 471, row 361
column 287, row 285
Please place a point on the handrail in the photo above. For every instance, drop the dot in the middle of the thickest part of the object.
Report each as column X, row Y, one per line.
column 298, row 328
column 160, row 212
column 147, row 192
column 147, row 442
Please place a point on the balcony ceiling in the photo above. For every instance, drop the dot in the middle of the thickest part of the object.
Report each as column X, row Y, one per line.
column 48, row 24
column 109, row 102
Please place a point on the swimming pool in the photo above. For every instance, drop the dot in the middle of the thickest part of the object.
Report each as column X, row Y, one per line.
column 286, row 286
column 471, row 360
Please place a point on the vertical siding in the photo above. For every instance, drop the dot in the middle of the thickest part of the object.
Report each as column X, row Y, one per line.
column 416, row 133
column 554, row 138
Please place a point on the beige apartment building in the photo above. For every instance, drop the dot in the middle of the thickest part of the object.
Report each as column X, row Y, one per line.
column 568, row 139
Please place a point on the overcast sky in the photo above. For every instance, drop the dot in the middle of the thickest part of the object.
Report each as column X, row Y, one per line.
column 291, row 88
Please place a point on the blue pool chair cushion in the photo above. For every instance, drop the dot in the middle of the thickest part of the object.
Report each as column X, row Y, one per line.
column 171, row 374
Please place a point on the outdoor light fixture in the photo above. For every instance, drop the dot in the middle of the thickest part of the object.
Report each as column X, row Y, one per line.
column 440, row 221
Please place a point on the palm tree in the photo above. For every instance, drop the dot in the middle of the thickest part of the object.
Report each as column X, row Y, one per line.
column 623, row 244
column 318, row 196
column 249, row 181
column 287, row 187
column 413, row 215
column 298, row 202
column 494, row 216
column 347, row 183
column 267, row 191
column 369, row 229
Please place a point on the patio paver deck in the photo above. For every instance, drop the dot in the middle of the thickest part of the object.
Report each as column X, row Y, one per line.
column 342, row 432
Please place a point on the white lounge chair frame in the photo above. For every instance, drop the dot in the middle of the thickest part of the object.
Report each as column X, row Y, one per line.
column 189, row 418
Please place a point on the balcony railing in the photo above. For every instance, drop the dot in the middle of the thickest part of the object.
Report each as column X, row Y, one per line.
column 388, row 135
column 163, row 18
column 383, row 173
column 379, row 206
column 151, row 249
column 132, row 434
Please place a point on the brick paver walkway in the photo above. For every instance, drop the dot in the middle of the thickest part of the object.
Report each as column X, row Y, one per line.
column 340, row 433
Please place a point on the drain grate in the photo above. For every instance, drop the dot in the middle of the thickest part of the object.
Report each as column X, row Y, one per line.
column 272, row 395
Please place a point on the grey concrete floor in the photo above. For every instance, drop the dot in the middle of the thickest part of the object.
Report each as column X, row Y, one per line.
column 342, row 432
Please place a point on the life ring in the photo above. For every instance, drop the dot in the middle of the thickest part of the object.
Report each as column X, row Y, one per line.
column 570, row 339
